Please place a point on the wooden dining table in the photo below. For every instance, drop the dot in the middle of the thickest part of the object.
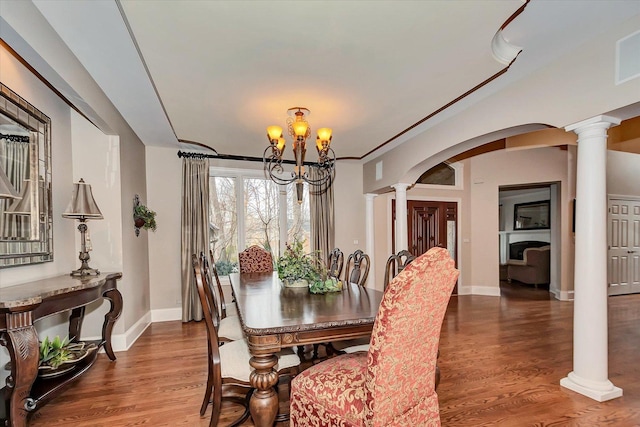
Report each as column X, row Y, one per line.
column 274, row 317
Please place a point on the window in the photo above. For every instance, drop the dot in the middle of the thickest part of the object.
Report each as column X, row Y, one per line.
column 441, row 174
column 269, row 215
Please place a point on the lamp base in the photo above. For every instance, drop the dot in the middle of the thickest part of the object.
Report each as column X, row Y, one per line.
column 85, row 272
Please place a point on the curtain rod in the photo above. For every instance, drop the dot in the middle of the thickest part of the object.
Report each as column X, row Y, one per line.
column 183, row 154
column 14, row 137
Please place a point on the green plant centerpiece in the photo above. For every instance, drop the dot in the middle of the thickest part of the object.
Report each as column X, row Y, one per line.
column 299, row 269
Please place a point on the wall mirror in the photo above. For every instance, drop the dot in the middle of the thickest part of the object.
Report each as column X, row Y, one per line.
column 531, row 216
column 26, row 225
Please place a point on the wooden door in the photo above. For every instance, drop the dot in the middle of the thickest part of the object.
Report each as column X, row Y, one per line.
column 430, row 224
column 624, row 246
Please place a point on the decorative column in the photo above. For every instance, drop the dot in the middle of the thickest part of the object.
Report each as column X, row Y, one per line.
column 590, row 359
column 402, row 240
column 370, row 234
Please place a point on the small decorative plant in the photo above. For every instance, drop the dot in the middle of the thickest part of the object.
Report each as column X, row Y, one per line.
column 57, row 351
column 145, row 217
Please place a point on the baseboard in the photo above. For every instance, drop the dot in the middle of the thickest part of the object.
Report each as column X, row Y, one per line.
column 166, row 314
column 122, row 342
column 562, row 295
column 491, row 291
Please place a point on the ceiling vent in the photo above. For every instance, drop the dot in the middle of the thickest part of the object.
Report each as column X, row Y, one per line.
column 628, row 58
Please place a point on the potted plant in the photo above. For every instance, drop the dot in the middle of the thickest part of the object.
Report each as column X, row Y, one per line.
column 144, row 217
column 297, row 268
column 58, row 352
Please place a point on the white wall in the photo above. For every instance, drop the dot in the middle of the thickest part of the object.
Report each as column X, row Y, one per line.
column 623, row 173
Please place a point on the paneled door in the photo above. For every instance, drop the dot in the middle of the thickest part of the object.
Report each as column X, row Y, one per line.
column 624, row 246
column 429, row 224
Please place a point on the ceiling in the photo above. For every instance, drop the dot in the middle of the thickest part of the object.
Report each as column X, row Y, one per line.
column 218, row 73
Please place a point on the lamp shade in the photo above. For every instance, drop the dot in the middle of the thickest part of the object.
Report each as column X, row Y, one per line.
column 22, row 206
column 7, row 191
column 82, row 206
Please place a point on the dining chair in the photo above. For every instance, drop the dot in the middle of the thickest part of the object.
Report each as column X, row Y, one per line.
column 255, row 259
column 336, row 262
column 230, row 310
column 228, row 364
column 357, row 268
column 395, row 264
column 228, row 328
column 393, row 383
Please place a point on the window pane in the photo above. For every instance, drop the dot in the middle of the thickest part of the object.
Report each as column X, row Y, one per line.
column 298, row 217
column 441, row 174
column 261, row 214
column 223, row 224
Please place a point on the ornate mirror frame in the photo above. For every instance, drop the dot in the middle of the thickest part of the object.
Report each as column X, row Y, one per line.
column 25, row 237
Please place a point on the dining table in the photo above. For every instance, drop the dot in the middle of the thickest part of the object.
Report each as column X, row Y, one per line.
column 274, row 317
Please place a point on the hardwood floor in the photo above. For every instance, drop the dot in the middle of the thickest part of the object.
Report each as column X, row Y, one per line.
column 501, row 359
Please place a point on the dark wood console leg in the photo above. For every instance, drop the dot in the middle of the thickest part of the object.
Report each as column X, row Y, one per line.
column 75, row 323
column 115, row 298
column 264, row 400
column 21, row 340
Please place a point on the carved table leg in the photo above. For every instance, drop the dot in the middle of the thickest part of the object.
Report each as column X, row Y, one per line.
column 264, row 401
column 115, row 297
column 21, row 340
column 75, row 323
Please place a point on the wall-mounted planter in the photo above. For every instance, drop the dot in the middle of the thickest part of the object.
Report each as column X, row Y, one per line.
column 143, row 217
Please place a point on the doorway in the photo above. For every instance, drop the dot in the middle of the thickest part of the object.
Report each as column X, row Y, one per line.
column 429, row 224
column 623, row 246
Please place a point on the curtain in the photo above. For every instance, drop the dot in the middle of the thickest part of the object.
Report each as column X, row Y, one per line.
column 195, row 230
column 322, row 215
column 14, row 161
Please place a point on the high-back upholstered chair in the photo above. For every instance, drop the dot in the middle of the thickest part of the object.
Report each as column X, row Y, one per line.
column 336, row 262
column 395, row 264
column 357, row 270
column 392, row 384
column 229, row 364
column 255, row 259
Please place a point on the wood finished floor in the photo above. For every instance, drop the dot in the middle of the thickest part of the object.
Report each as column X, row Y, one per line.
column 501, row 359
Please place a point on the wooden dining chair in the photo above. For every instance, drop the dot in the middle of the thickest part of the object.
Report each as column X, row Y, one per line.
column 228, row 365
column 225, row 310
column 255, row 259
column 392, row 383
column 336, row 262
column 395, row 264
column 228, row 328
column 357, row 268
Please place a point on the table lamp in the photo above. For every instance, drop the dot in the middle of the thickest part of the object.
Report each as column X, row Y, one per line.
column 83, row 207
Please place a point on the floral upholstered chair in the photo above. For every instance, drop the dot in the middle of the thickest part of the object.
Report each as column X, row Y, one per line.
column 393, row 383
column 255, row 259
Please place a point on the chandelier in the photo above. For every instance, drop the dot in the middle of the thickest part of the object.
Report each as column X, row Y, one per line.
column 320, row 179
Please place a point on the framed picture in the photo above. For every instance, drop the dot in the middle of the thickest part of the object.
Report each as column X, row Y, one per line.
column 531, row 215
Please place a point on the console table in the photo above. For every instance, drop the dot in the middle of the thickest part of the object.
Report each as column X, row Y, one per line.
column 20, row 307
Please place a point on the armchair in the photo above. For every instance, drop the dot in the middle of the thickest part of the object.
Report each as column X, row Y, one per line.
column 533, row 268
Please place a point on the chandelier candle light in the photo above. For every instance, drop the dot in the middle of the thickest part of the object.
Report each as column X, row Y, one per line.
column 299, row 130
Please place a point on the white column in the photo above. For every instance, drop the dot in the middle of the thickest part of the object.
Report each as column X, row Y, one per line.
column 370, row 235
column 590, row 359
column 402, row 240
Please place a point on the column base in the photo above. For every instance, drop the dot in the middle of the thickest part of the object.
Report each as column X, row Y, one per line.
column 596, row 390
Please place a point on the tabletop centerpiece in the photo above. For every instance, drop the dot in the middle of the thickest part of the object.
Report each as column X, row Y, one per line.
column 298, row 269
